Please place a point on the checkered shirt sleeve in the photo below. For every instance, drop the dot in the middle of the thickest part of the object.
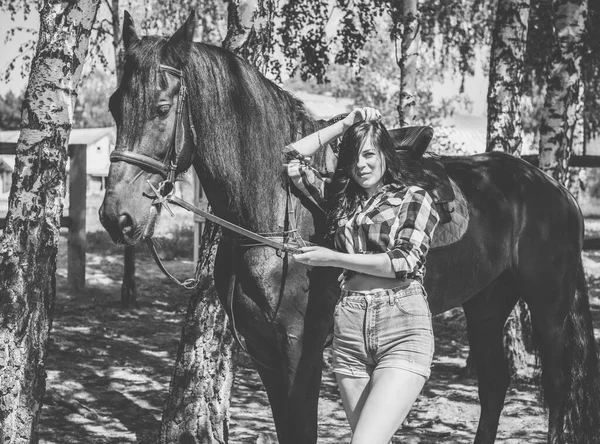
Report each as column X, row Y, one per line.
column 418, row 219
column 306, row 179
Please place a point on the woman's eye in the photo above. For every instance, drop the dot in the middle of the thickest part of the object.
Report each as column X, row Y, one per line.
column 163, row 110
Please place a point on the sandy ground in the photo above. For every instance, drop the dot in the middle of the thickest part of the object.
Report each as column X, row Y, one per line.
column 109, row 370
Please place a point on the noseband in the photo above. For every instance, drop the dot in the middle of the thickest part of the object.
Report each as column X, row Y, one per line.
column 167, row 169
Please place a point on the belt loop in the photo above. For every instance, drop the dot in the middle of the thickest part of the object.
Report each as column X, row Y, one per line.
column 390, row 293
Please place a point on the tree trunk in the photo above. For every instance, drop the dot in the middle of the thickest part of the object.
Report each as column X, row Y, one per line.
column 128, row 286
column 197, row 410
column 559, row 114
column 577, row 175
column 29, row 245
column 505, row 133
column 250, row 29
column 198, row 406
column 406, row 28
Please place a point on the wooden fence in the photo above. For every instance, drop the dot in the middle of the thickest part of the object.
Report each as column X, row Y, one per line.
column 75, row 221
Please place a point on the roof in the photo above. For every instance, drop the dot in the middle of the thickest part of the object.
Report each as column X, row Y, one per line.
column 79, row 136
column 5, row 167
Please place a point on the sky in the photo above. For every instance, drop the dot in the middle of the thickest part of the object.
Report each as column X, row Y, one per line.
column 475, row 86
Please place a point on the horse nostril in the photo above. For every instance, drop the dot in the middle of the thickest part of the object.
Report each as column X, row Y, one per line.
column 125, row 223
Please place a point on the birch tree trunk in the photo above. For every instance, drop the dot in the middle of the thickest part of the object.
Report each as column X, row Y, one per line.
column 505, row 133
column 30, row 241
column 559, row 115
column 250, row 31
column 407, row 26
column 197, row 410
column 505, row 130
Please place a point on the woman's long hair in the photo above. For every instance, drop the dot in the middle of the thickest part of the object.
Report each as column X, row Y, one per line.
column 345, row 194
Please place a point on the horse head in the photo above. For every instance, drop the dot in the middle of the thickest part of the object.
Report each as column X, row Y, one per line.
column 155, row 135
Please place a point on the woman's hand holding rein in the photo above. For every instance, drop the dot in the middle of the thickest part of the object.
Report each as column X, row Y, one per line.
column 310, row 144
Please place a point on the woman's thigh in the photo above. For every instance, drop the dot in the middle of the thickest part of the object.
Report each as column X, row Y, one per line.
column 354, row 392
column 390, row 397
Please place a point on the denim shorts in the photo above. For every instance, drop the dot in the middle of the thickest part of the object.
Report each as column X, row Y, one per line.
column 383, row 329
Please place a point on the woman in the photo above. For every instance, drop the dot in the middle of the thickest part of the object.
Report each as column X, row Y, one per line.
column 383, row 341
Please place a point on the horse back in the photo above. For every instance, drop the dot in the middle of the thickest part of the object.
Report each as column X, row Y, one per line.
column 519, row 219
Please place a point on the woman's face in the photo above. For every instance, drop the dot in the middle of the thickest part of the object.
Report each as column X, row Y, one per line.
column 369, row 169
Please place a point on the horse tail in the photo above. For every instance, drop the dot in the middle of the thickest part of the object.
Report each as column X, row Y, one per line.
column 579, row 413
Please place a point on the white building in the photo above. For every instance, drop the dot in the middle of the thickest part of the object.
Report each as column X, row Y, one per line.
column 99, row 141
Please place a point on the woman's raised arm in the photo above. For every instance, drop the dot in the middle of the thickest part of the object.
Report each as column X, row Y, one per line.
column 310, row 144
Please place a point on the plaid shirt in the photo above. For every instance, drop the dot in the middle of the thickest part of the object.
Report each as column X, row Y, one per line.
column 397, row 220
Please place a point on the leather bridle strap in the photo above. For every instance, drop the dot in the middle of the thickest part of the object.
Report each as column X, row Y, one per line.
column 167, row 168
column 140, row 160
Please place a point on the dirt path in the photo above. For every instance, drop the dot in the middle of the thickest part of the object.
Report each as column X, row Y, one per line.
column 109, row 371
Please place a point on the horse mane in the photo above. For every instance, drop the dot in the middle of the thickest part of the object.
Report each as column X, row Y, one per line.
column 242, row 120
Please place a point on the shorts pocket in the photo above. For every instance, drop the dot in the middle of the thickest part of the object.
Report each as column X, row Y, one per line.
column 412, row 304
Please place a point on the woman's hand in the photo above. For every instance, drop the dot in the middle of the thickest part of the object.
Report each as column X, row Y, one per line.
column 316, row 256
column 361, row 114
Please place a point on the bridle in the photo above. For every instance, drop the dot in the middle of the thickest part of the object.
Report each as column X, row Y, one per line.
column 168, row 168
column 285, row 242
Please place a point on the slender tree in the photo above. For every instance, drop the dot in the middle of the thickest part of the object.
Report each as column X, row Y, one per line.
column 559, row 114
column 197, row 409
column 406, row 28
column 30, row 241
column 505, row 131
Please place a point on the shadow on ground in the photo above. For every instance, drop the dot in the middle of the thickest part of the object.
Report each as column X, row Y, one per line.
column 109, row 371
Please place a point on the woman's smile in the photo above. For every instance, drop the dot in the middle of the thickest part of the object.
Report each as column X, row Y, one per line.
column 369, row 169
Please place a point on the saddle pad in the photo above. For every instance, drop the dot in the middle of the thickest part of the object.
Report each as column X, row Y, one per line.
column 453, row 231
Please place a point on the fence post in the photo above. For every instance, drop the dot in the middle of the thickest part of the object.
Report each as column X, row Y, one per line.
column 76, row 243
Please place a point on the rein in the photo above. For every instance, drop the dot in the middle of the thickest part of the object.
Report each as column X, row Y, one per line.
column 163, row 195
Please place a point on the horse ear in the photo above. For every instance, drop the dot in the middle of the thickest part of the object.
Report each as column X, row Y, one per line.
column 191, row 30
column 129, row 35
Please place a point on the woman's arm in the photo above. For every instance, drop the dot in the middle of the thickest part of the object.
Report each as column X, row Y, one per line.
column 378, row 264
column 419, row 220
column 310, row 144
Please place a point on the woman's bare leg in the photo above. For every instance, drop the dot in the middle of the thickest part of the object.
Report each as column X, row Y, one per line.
column 390, row 397
column 354, row 392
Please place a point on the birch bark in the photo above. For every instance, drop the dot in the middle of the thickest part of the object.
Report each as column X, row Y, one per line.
column 559, row 114
column 29, row 244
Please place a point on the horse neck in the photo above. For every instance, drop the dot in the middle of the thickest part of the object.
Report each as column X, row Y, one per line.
column 238, row 156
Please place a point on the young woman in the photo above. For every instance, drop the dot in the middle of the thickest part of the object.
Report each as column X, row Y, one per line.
column 383, row 341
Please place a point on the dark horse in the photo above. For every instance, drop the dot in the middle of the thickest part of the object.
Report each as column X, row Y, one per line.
column 524, row 240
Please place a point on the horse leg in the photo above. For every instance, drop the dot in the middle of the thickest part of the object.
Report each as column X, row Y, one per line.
column 293, row 393
column 486, row 315
column 563, row 332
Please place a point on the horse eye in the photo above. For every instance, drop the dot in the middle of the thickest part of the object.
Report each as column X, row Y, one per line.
column 163, row 110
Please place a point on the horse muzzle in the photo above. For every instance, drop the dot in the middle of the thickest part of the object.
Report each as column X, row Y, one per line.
column 120, row 225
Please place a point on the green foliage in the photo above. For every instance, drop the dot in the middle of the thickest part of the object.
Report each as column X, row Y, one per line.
column 10, row 111
column 454, row 30
column 376, row 82
column 156, row 17
column 91, row 108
